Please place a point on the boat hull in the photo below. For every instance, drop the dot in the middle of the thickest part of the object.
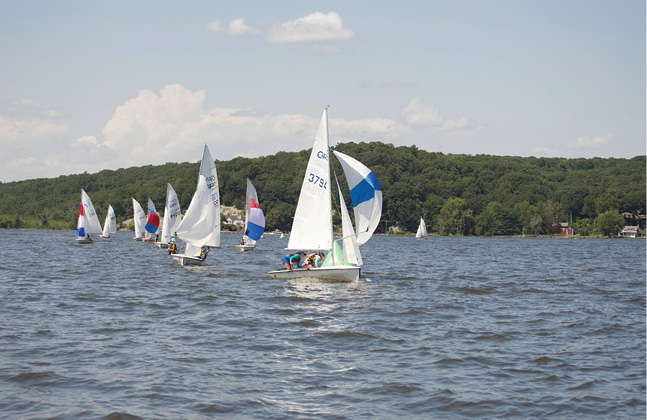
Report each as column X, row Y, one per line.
column 183, row 260
column 161, row 245
column 345, row 274
column 84, row 241
column 104, row 236
column 245, row 247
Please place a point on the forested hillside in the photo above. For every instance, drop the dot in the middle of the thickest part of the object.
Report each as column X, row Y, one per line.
column 456, row 194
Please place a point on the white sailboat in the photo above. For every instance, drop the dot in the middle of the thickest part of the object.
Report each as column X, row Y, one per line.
column 152, row 222
column 110, row 225
column 172, row 217
column 139, row 220
column 88, row 220
column 201, row 223
column 312, row 228
column 254, row 220
column 422, row 230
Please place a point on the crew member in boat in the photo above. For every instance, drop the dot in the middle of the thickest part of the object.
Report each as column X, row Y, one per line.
column 293, row 258
column 172, row 248
column 314, row 260
column 157, row 238
column 204, row 252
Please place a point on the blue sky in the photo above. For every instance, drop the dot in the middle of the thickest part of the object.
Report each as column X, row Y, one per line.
column 92, row 85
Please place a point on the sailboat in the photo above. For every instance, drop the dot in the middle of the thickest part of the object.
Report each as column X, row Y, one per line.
column 312, row 228
column 254, row 220
column 140, row 221
column 422, row 230
column 172, row 217
column 152, row 222
column 110, row 225
column 88, row 221
column 201, row 223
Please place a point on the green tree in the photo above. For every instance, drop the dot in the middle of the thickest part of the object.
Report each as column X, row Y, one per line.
column 455, row 218
column 610, row 223
column 496, row 220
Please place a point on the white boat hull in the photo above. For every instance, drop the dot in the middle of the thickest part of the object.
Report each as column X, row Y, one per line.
column 181, row 259
column 343, row 273
column 161, row 245
column 245, row 247
column 104, row 236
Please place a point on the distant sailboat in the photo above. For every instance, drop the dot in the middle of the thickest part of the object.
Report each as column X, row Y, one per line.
column 201, row 223
column 254, row 220
column 312, row 228
column 139, row 220
column 152, row 222
column 422, row 230
column 88, row 221
column 172, row 217
column 110, row 225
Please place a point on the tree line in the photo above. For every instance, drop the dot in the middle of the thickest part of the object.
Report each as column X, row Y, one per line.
column 455, row 194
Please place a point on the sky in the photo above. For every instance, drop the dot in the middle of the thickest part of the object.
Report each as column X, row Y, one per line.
column 93, row 85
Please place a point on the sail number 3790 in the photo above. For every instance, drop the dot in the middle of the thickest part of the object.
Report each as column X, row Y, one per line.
column 317, row 180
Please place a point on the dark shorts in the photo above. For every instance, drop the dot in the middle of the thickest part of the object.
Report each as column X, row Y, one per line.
column 285, row 260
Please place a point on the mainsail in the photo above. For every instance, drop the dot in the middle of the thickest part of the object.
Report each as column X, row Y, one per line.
column 172, row 216
column 312, row 226
column 140, row 219
column 93, row 225
column 201, row 223
column 110, row 225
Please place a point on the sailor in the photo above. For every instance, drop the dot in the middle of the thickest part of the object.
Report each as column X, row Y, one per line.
column 293, row 258
column 172, row 248
column 204, row 252
column 314, row 260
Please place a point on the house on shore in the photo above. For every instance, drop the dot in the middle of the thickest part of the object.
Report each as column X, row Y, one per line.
column 565, row 230
column 629, row 232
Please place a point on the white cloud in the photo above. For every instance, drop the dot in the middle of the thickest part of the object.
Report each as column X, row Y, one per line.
column 591, row 142
column 172, row 126
column 236, row 27
column 88, row 139
column 20, row 130
column 417, row 113
column 311, row 28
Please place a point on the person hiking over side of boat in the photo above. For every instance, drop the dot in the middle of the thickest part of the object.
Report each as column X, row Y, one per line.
column 204, row 252
column 314, row 260
column 172, row 248
column 157, row 238
column 293, row 258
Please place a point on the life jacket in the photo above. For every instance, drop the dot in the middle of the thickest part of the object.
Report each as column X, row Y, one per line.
column 172, row 247
column 204, row 253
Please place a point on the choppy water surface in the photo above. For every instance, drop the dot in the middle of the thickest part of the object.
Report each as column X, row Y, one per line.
column 441, row 328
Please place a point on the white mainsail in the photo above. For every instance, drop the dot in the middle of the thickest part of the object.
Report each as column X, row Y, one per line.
column 312, row 226
column 422, row 230
column 172, row 215
column 110, row 225
column 93, row 225
column 139, row 220
column 366, row 194
column 201, row 223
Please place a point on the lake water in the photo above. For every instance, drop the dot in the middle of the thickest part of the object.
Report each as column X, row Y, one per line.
column 443, row 328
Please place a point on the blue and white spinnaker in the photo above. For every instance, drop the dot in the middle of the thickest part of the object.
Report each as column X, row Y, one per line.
column 366, row 193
